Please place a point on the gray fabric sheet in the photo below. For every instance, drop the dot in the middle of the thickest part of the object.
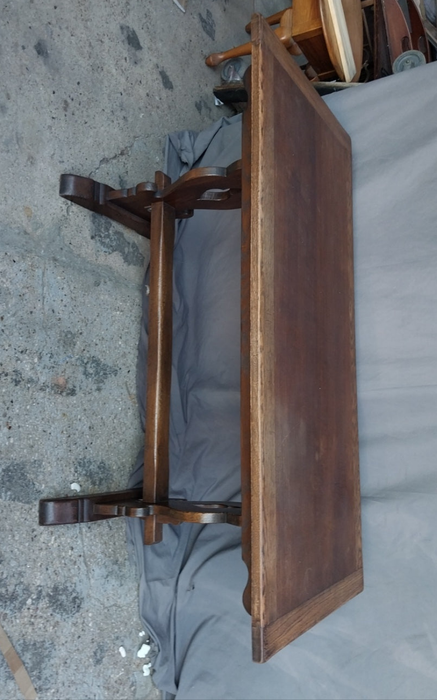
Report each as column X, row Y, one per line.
column 382, row 644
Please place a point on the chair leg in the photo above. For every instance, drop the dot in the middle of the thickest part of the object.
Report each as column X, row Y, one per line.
column 283, row 32
column 215, row 59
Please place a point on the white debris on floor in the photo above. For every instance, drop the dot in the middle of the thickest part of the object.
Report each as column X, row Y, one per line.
column 143, row 651
column 122, row 651
column 75, row 486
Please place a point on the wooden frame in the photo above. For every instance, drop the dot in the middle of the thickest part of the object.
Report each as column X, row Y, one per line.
column 300, row 510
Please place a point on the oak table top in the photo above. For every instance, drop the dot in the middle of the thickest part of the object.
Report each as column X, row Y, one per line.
column 301, row 501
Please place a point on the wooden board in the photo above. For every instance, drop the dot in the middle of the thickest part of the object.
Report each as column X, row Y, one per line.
column 338, row 39
column 343, row 31
column 301, row 539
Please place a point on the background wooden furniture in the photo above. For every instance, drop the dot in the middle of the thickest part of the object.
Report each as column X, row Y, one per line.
column 300, row 511
column 328, row 32
column 400, row 37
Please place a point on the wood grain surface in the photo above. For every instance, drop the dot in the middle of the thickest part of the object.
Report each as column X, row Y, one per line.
column 398, row 33
column 303, row 453
column 156, row 457
column 343, row 32
column 246, row 181
column 14, row 662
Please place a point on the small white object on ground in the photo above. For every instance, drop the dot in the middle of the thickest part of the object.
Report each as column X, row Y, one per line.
column 122, row 651
column 142, row 634
column 75, row 486
column 146, row 669
column 181, row 4
column 143, row 651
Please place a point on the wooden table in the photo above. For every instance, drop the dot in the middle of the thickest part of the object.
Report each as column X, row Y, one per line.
column 300, row 510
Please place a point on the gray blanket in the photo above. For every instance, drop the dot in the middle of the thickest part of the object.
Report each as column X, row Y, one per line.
column 382, row 644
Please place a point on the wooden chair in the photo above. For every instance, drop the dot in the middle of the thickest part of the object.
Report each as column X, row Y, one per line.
column 328, row 32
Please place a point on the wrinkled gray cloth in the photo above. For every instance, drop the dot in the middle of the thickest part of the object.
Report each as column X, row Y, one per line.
column 382, row 644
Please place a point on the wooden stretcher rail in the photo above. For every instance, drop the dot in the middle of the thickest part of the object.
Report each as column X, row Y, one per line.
column 72, row 510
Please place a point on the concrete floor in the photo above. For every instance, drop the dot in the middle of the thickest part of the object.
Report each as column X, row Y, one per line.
column 89, row 88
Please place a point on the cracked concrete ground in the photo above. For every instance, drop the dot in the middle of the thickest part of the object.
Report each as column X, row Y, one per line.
column 89, row 88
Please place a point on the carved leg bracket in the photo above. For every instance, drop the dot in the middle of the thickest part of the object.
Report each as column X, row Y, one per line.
column 80, row 509
column 102, row 506
column 202, row 188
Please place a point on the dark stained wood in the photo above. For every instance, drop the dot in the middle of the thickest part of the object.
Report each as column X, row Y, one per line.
column 382, row 63
column 300, row 511
column 305, row 507
column 94, row 196
column 194, row 190
column 136, row 200
column 156, row 457
column 71, row 510
column 419, row 39
column 268, row 641
column 175, row 511
column 231, row 93
column 205, row 188
column 132, row 207
column 245, row 342
column 398, row 34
